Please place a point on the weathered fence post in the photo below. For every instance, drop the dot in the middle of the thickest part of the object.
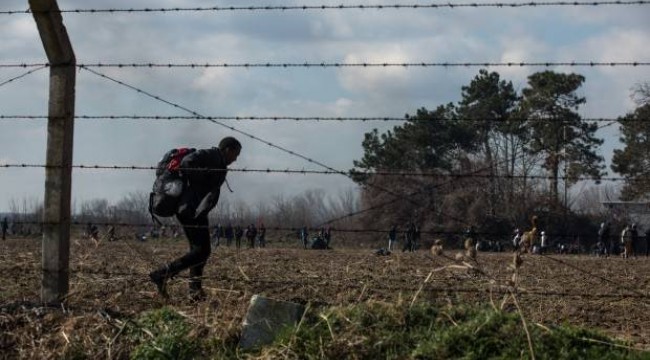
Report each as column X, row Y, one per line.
column 58, row 171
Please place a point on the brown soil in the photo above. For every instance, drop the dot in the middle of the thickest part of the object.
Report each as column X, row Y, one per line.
column 109, row 285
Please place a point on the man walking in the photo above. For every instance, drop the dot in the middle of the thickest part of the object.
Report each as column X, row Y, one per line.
column 603, row 238
column 304, row 236
column 217, row 235
column 204, row 171
column 239, row 233
column 251, row 234
column 392, row 237
column 228, row 233
column 261, row 236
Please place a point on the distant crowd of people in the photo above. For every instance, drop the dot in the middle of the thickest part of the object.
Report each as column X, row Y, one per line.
column 255, row 235
column 19, row 229
column 626, row 244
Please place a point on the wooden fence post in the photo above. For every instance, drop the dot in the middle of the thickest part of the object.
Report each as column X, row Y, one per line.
column 58, row 171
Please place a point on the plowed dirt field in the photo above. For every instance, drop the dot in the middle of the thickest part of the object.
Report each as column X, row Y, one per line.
column 108, row 281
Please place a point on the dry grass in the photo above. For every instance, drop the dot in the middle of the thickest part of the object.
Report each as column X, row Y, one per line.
column 109, row 291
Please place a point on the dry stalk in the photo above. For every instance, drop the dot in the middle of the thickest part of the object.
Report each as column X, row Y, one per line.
column 363, row 290
column 329, row 327
column 302, row 319
column 417, row 293
column 450, row 318
column 112, row 341
column 494, row 306
column 612, row 344
column 243, row 273
column 523, row 321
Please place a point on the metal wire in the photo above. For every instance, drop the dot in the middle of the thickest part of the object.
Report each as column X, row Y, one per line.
column 388, row 6
column 281, row 118
column 249, row 135
column 294, row 230
column 349, row 65
column 21, row 75
column 398, row 173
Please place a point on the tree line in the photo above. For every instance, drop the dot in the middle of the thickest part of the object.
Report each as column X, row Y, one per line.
column 497, row 157
column 491, row 160
column 130, row 214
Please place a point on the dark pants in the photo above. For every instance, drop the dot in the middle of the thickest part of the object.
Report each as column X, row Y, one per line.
column 198, row 235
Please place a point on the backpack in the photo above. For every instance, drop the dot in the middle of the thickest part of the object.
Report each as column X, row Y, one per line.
column 169, row 184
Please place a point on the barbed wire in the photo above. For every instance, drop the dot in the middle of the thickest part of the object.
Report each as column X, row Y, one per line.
column 247, row 134
column 460, row 234
column 428, row 188
column 343, row 65
column 287, row 118
column 22, row 75
column 397, row 197
column 337, row 7
column 397, row 173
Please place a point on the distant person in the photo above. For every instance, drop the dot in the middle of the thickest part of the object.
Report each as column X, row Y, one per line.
column 392, row 237
column 634, row 239
column 229, row 234
column 516, row 239
column 604, row 239
column 239, row 233
column 409, row 237
column 304, row 237
column 92, row 231
column 544, row 243
column 217, row 235
column 626, row 240
column 110, row 233
column 647, row 241
column 251, row 234
column 261, row 236
column 198, row 198
column 5, row 226
column 324, row 234
column 327, row 236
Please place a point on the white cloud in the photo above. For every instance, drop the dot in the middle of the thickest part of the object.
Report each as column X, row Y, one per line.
column 608, row 88
column 393, row 36
column 370, row 80
column 517, row 49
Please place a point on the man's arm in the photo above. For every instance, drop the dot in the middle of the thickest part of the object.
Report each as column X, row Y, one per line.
column 203, row 180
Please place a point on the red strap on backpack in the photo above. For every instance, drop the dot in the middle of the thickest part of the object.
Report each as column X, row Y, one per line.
column 175, row 162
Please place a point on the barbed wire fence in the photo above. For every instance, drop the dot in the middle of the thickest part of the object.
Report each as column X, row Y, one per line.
column 387, row 6
column 628, row 291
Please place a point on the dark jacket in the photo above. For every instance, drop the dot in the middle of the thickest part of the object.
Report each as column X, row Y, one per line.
column 203, row 185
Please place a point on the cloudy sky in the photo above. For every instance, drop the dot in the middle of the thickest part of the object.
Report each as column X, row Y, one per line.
column 486, row 34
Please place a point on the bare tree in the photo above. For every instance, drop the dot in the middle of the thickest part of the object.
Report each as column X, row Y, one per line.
column 27, row 214
column 133, row 208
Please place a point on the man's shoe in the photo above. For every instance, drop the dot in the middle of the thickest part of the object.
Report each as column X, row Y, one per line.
column 161, row 282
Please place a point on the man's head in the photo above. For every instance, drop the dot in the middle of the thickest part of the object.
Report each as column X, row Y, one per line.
column 230, row 148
